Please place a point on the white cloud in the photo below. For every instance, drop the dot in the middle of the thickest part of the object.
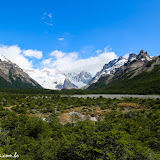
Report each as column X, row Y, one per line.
column 57, row 54
column 60, row 61
column 126, row 56
column 13, row 53
column 46, row 61
column 33, row 53
column 69, row 62
column 49, row 24
column 50, row 15
column 98, row 51
column 44, row 15
column 61, row 39
column 48, row 18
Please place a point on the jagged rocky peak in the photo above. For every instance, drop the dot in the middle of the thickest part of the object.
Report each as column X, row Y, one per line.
column 132, row 57
column 120, row 58
column 79, row 79
column 85, row 76
column 144, row 56
column 66, row 85
column 142, row 52
column 118, row 67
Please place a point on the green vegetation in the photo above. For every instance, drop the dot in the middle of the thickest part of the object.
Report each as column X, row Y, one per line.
column 30, row 126
column 5, row 84
column 17, row 82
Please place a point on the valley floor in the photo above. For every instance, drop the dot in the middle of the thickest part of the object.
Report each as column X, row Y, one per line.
column 118, row 96
column 58, row 127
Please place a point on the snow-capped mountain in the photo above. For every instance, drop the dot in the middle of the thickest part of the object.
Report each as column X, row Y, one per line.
column 116, row 68
column 140, row 74
column 109, row 68
column 80, row 79
column 54, row 79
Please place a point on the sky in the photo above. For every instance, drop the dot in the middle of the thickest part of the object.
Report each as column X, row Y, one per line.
column 73, row 35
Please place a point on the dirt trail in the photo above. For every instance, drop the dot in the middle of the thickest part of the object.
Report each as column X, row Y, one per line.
column 9, row 108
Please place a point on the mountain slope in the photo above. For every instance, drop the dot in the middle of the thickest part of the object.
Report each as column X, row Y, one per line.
column 139, row 76
column 11, row 76
column 108, row 69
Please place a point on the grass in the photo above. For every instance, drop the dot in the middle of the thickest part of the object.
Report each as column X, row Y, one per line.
column 131, row 105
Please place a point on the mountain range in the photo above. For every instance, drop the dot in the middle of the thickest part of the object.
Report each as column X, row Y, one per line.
column 133, row 61
column 135, row 74
column 54, row 79
column 12, row 76
column 139, row 74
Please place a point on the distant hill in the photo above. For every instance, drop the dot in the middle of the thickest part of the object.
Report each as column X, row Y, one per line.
column 139, row 75
column 11, row 76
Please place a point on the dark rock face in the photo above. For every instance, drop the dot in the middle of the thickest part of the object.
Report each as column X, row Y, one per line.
column 67, row 85
column 134, row 62
column 132, row 56
column 110, row 64
column 15, row 76
column 143, row 56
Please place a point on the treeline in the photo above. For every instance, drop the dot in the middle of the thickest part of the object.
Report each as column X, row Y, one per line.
column 111, row 89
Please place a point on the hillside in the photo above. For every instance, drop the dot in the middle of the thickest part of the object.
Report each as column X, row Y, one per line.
column 11, row 76
column 144, row 79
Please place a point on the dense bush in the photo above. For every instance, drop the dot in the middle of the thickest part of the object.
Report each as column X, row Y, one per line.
column 132, row 135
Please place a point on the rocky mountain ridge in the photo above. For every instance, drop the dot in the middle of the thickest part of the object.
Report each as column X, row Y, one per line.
column 118, row 67
column 140, row 74
column 108, row 69
column 11, row 76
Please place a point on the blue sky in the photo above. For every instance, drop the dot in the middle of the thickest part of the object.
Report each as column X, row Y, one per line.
column 85, row 26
